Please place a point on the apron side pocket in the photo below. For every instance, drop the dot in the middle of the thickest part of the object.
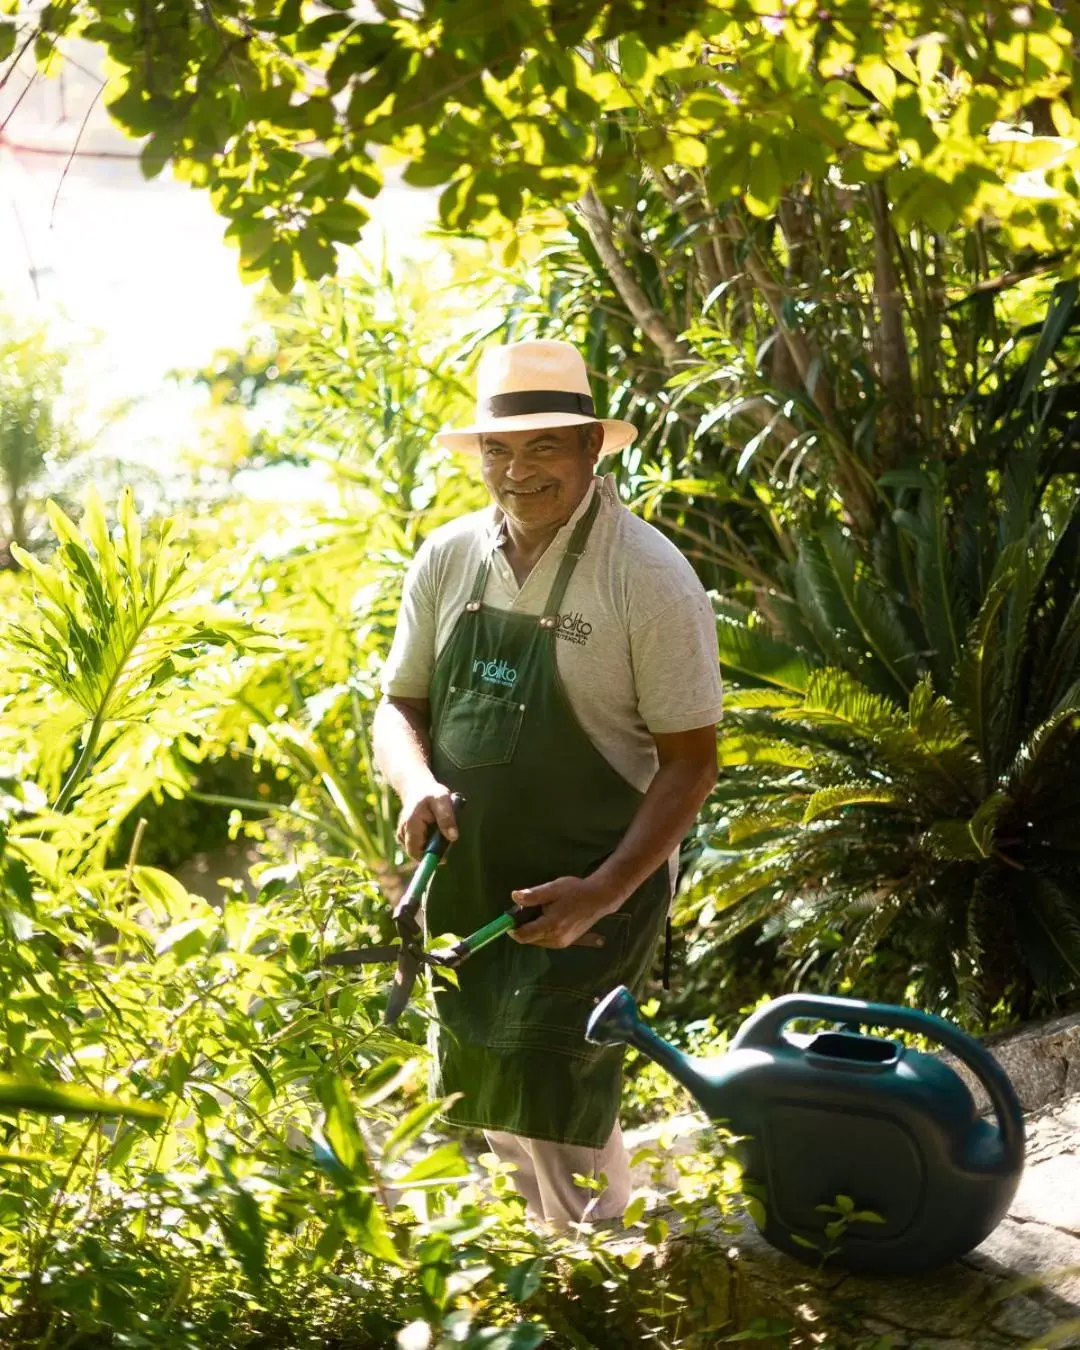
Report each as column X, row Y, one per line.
column 478, row 730
column 548, row 1004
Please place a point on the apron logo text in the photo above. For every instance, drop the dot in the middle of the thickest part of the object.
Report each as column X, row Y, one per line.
column 495, row 672
column 572, row 628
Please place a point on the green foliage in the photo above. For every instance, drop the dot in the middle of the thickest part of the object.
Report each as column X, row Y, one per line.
column 559, row 98
column 900, row 815
column 367, row 372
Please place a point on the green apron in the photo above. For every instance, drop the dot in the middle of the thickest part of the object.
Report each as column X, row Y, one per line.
column 541, row 802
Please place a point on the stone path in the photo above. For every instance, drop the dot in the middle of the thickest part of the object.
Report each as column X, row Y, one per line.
column 980, row 1302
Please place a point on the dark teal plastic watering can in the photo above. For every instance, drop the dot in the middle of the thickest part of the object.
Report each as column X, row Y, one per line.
column 842, row 1114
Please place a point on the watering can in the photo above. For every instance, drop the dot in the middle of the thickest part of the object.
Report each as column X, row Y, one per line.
column 878, row 1141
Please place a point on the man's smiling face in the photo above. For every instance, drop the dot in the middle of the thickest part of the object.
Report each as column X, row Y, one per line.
column 539, row 478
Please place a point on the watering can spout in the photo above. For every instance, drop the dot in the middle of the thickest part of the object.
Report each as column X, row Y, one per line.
column 615, row 1020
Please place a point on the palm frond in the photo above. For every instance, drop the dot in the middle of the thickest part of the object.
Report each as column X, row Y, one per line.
column 927, row 527
column 1048, row 926
column 834, row 698
column 827, row 800
column 114, row 634
column 949, row 841
column 978, row 674
column 1034, row 764
column 738, row 748
column 749, row 652
column 1054, row 661
column 876, row 625
column 822, row 601
column 869, row 935
column 736, row 700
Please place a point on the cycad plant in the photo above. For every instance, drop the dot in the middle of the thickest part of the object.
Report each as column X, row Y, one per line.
column 901, row 787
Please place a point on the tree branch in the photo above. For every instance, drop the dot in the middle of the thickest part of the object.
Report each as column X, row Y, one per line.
column 804, row 356
column 648, row 318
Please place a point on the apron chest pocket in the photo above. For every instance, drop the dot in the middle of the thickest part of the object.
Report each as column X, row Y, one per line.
column 478, row 730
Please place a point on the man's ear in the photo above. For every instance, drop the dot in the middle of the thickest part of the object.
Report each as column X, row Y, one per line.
column 596, row 440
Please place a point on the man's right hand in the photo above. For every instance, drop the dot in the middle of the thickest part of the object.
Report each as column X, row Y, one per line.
column 428, row 805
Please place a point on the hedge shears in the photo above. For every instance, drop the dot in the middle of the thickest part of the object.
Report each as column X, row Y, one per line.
column 409, row 952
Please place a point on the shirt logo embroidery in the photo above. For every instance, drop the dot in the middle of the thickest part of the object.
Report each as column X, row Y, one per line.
column 572, row 628
column 495, row 672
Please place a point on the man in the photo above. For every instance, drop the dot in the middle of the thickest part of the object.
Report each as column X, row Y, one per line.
column 555, row 662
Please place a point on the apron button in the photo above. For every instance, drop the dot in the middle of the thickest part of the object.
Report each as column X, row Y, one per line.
column 521, row 707
column 473, row 606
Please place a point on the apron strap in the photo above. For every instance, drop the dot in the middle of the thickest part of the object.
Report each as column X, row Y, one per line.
column 574, row 549
column 479, row 583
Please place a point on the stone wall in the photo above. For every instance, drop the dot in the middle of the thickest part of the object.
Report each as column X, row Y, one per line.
column 1042, row 1059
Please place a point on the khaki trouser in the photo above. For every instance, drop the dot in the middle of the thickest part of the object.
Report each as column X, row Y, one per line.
column 545, row 1176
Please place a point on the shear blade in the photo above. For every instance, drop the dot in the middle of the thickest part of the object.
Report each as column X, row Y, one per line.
column 401, row 989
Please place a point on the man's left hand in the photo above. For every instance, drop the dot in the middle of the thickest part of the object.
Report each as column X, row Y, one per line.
column 571, row 906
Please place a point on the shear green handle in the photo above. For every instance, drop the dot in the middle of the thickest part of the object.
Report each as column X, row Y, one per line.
column 436, row 846
column 513, row 918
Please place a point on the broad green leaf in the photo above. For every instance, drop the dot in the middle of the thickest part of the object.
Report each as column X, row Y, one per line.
column 340, row 1129
column 383, row 1080
column 19, row 1093
column 444, row 1162
column 245, row 1233
column 633, row 58
column 876, row 76
column 183, row 939
column 411, row 1125
column 523, row 1280
column 365, row 1223
column 165, row 896
column 634, row 1210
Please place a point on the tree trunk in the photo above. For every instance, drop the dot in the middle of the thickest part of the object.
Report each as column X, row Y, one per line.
column 898, row 426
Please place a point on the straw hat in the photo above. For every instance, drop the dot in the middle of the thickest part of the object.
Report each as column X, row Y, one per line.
column 525, row 385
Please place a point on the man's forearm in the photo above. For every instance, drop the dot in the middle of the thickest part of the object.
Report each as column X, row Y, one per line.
column 659, row 826
column 403, row 753
column 402, row 746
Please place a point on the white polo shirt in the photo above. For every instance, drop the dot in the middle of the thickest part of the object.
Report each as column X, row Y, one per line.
column 636, row 649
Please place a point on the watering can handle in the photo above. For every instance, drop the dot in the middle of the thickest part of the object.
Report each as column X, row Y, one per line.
column 763, row 1030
